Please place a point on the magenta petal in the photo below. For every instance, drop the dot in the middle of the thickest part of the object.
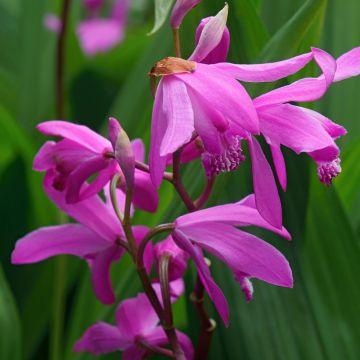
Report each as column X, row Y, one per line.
column 280, row 167
column 81, row 174
column 266, row 194
column 307, row 89
column 99, row 35
column 101, row 338
column 244, row 253
column 186, row 345
column 133, row 353
column 136, row 316
column 179, row 114
column 87, row 211
column 157, row 163
column 348, row 65
column 295, row 128
column 138, row 149
column 265, row 72
column 223, row 94
column 212, row 289
column 70, row 239
column 78, row 133
column 220, row 52
column 100, row 268
column 52, row 23
column 44, row 158
column 119, row 11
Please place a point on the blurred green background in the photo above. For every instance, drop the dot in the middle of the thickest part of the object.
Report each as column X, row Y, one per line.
column 318, row 319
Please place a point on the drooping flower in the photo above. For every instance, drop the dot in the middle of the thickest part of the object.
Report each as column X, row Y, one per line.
column 181, row 8
column 95, row 239
column 201, row 100
column 136, row 330
column 97, row 34
column 83, row 153
column 213, row 230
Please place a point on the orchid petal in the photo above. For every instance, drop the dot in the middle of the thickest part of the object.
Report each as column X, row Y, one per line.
column 138, row 149
column 133, row 353
column 348, row 65
column 244, row 253
column 179, row 114
column 70, row 239
column 87, row 211
column 296, row 129
column 280, row 167
column 100, row 269
column 53, row 23
column 119, row 11
column 101, row 338
column 136, row 316
column 157, row 162
column 307, row 89
column 224, row 94
column 266, row 194
column 265, row 72
column 220, row 52
column 212, row 289
column 78, row 133
column 211, row 35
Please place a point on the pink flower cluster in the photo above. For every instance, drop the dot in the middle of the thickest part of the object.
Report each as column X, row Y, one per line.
column 201, row 110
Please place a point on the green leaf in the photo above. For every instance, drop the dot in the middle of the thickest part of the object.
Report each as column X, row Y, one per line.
column 10, row 340
column 162, row 9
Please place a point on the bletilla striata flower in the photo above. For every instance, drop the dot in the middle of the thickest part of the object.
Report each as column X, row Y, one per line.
column 82, row 153
column 95, row 239
column 136, row 331
column 213, row 230
column 97, row 34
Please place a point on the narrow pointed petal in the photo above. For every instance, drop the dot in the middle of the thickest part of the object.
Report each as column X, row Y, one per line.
column 77, row 133
column 244, row 253
column 224, row 94
column 220, row 52
column 136, row 316
column 99, row 35
column 181, row 8
column 44, row 157
column 100, row 269
column 70, row 239
column 211, row 35
column 307, row 89
column 242, row 213
column 157, row 162
column 265, row 72
column 179, row 114
column 101, row 338
column 280, row 167
column 266, row 193
column 212, row 289
column 87, row 211
column 348, row 65
column 296, row 129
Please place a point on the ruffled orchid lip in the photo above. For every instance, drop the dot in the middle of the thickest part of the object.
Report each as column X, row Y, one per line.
column 172, row 65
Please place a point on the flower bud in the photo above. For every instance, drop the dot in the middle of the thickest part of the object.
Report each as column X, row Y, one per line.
column 122, row 150
column 181, row 8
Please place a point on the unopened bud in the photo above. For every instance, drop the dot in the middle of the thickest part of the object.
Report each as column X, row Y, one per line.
column 181, row 8
column 122, row 151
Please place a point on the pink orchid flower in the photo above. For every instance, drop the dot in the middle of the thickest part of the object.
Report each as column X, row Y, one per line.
column 210, row 103
column 136, row 330
column 95, row 239
column 179, row 258
column 213, row 230
column 96, row 34
column 81, row 154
